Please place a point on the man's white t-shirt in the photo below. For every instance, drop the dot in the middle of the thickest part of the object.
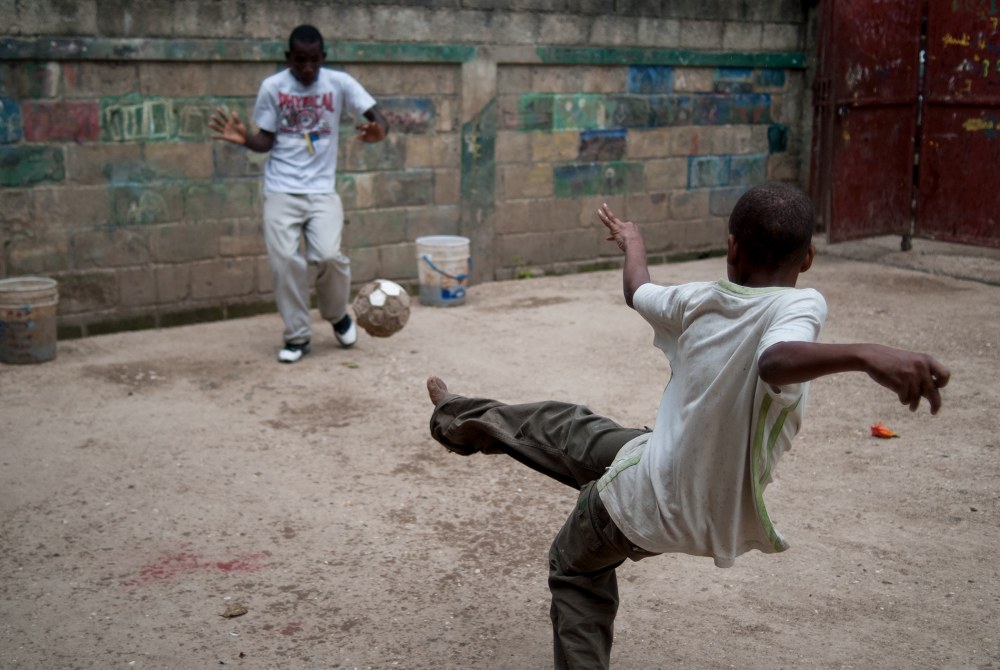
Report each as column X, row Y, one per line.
column 695, row 484
column 306, row 123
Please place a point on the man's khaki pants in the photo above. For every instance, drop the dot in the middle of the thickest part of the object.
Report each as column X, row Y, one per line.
column 574, row 446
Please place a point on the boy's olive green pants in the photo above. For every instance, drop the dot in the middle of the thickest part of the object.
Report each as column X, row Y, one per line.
column 574, row 446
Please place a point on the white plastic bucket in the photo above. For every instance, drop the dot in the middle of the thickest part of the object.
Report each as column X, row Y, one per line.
column 443, row 263
column 28, row 308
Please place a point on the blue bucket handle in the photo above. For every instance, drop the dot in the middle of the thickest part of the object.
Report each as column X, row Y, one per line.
column 442, row 272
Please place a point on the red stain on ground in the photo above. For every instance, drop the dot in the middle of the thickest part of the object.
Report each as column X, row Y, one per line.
column 172, row 566
column 291, row 629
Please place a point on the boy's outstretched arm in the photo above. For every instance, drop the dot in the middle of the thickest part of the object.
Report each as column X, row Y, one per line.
column 910, row 375
column 230, row 128
column 628, row 238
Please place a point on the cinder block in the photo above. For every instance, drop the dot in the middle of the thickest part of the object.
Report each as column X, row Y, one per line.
column 742, row 36
column 89, row 164
column 71, row 207
column 247, row 240
column 600, row 79
column 564, row 29
column 748, row 169
column 694, row 80
column 655, row 33
column 666, row 174
column 554, row 147
column 572, row 245
column 686, row 205
column 364, row 266
column 612, row 178
column 533, row 112
column 408, row 114
column 141, row 204
column 650, row 79
column 182, row 243
column 155, row 19
column 222, row 278
column 782, row 36
column 588, row 206
column 783, row 167
column 447, row 115
column 232, row 199
column 447, row 187
column 648, row 143
column 357, row 191
column 702, row 35
column 441, row 220
column 519, row 181
column 30, row 81
column 398, row 261
column 18, row 207
column 375, row 227
column 264, row 277
column 513, row 146
column 432, row 151
column 685, row 141
column 662, row 236
column 670, row 110
column 727, row 139
column 523, row 249
column 11, row 121
column 708, row 171
column 513, row 79
column 645, row 207
column 175, row 160
column 514, row 216
column 413, row 187
column 236, row 79
column 357, row 156
column 99, row 79
column 556, row 79
column 137, row 287
column 26, row 165
column 110, row 247
column 39, row 252
column 614, row 30
column 602, row 145
column 175, row 79
column 722, row 200
column 230, row 160
column 90, row 291
column 580, row 111
column 704, row 234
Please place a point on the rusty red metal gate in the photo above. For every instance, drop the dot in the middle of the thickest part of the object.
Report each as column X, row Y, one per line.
column 906, row 126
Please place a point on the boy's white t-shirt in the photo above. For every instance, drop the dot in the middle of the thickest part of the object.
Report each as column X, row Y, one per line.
column 302, row 117
column 695, row 484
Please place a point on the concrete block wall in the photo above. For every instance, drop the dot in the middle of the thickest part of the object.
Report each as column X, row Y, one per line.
column 511, row 122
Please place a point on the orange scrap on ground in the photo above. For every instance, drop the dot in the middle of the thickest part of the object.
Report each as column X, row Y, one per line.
column 881, row 430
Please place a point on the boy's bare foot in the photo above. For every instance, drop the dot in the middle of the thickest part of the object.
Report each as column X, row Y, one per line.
column 437, row 389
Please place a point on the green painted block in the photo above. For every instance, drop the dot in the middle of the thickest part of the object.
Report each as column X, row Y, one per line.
column 580, row 111
column 535, row 111
column 26, row 165
column 626, row 56
column 479, row 162
column 585, row 179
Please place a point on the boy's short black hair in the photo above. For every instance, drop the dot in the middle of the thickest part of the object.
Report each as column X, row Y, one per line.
column 773, row 224
column 305, row 35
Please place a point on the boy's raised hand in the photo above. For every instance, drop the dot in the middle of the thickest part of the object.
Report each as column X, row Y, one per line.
column 228, row 127
column 620, row 232
column 911, row 375
column 370, row 132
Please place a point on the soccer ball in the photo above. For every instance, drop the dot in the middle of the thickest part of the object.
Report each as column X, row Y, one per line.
column 382, row 308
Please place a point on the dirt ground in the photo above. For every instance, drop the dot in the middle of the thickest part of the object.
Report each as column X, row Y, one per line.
column 150, row 480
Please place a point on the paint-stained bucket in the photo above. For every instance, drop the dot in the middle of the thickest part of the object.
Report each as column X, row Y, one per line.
column 28, row 308
column 443, row 264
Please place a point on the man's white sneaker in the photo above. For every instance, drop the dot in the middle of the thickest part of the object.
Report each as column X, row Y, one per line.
column 345, row 331
column 291, row 353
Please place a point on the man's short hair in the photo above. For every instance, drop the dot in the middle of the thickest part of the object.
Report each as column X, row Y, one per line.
column 773, row 224
column 305, row 35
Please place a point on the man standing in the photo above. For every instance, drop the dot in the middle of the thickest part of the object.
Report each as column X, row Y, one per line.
column 297, row 114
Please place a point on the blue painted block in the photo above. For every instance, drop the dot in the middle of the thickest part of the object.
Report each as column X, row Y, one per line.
column 650, row 79
column 733, row 80
column 602, row 145
column 770, row 78
column 712, row 110
column 777, row 139
column 11, row 123
column 708, row 171
column 751, row 108
column 628, row 111
column 670, row 110
column 748, row 170
column 408, row 115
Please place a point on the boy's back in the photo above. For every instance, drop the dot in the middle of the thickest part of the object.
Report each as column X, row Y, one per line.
column 687, row 486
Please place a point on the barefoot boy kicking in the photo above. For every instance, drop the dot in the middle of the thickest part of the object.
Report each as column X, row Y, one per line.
column 741, row 352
